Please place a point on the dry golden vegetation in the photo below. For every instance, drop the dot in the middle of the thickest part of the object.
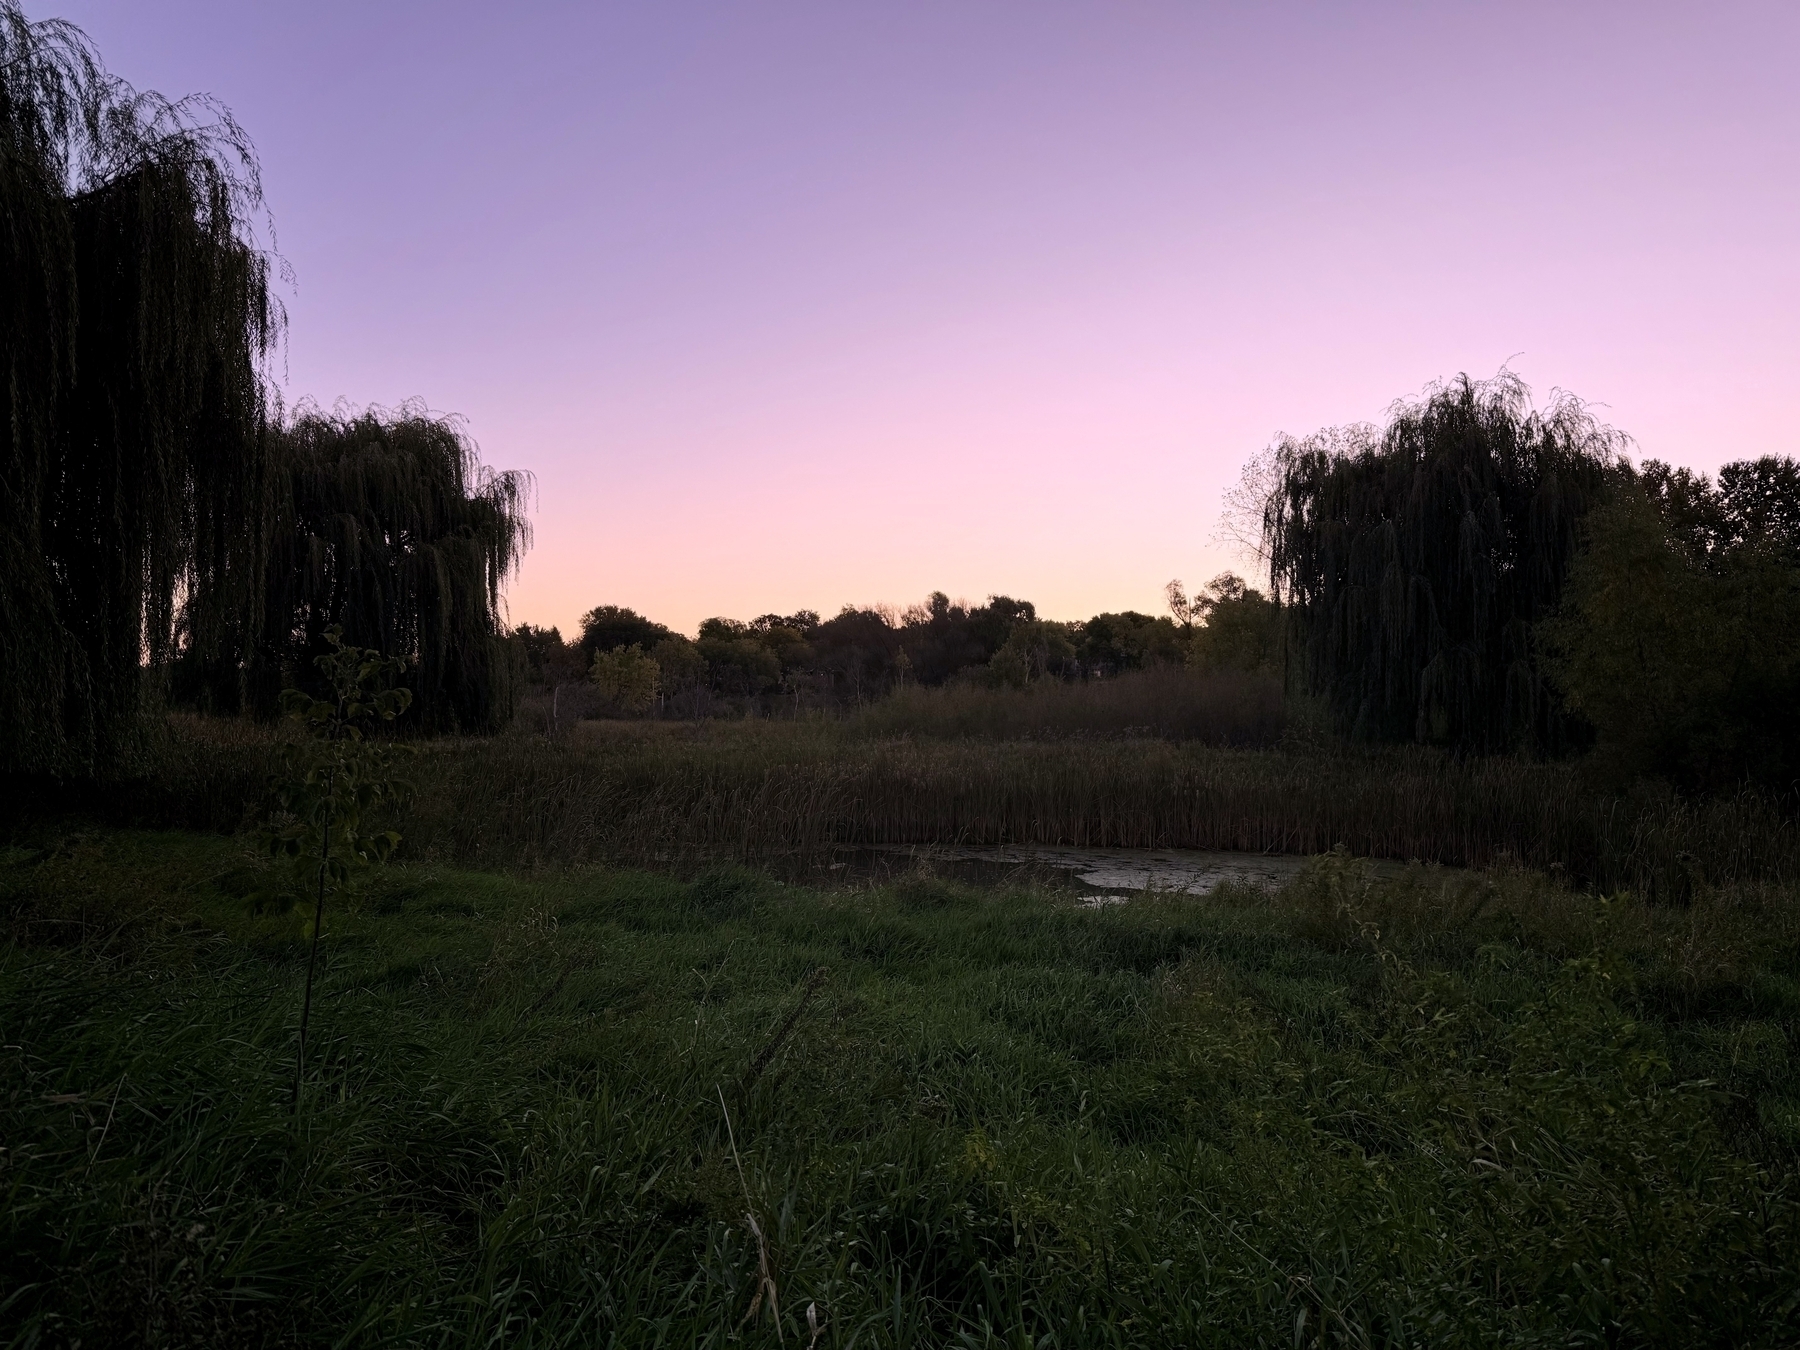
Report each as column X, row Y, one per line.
column 685, row 794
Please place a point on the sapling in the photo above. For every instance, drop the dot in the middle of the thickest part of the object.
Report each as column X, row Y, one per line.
column 333, row 776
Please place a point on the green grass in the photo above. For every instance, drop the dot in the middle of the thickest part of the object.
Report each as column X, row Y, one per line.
column 1435, row 1109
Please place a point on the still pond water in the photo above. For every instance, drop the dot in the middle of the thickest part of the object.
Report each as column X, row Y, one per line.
column 1101, row 875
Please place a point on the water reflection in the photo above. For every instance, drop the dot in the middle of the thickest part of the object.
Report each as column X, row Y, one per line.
column 1105, row 875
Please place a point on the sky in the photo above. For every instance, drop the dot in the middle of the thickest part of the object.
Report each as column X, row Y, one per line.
column 797, row 305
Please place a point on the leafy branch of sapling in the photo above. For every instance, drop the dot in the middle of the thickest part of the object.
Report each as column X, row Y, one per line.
column 331, row 779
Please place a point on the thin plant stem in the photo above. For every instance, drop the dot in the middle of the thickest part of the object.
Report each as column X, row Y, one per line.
column 312, row 957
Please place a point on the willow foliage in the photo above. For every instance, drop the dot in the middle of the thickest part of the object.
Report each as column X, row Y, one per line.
column 387, row 524
column 41, row 73
column 156, row 513
column 135, row 320
column 1416, row 560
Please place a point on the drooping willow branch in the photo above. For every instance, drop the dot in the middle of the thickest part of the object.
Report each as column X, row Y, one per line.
column 158, row 513
column 137, row 319
column 387, row 523
column 1415, row 559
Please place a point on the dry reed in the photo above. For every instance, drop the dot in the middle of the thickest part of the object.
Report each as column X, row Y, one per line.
column 758, row 792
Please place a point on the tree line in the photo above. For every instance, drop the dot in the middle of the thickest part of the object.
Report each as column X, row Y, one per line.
column 802, row 661
column 1476, row 574
column 165, row 526
column 1485, row 576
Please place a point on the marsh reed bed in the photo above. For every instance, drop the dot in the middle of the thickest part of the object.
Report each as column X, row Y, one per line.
column 685, row 794
column 1224, row 708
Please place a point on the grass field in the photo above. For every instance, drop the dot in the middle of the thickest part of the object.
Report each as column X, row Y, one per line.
column 1438, row 1109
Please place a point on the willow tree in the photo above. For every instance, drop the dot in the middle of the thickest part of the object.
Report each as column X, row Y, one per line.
column 135, row 320
column 387, row 523
column 44, row 73
column 1414, row 560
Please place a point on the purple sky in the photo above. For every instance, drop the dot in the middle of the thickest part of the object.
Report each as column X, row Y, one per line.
column 803, row 304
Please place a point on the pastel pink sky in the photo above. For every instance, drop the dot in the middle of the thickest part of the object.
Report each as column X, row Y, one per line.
column 803, row 304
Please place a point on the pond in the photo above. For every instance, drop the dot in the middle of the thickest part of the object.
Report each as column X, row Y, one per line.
column 1101, row 875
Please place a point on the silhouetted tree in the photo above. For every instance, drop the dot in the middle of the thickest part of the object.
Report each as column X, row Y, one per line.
column 1035, row 649
column 738, row 661
column 1110, row 643
column 387, row 524
column 549, row 660
column 1679, row 631
column 1755, row 506
column 858, row 650
column 942, row 638
column 1236, row 627
column 134, row 319
column 608, row 626
column 1415, row 561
